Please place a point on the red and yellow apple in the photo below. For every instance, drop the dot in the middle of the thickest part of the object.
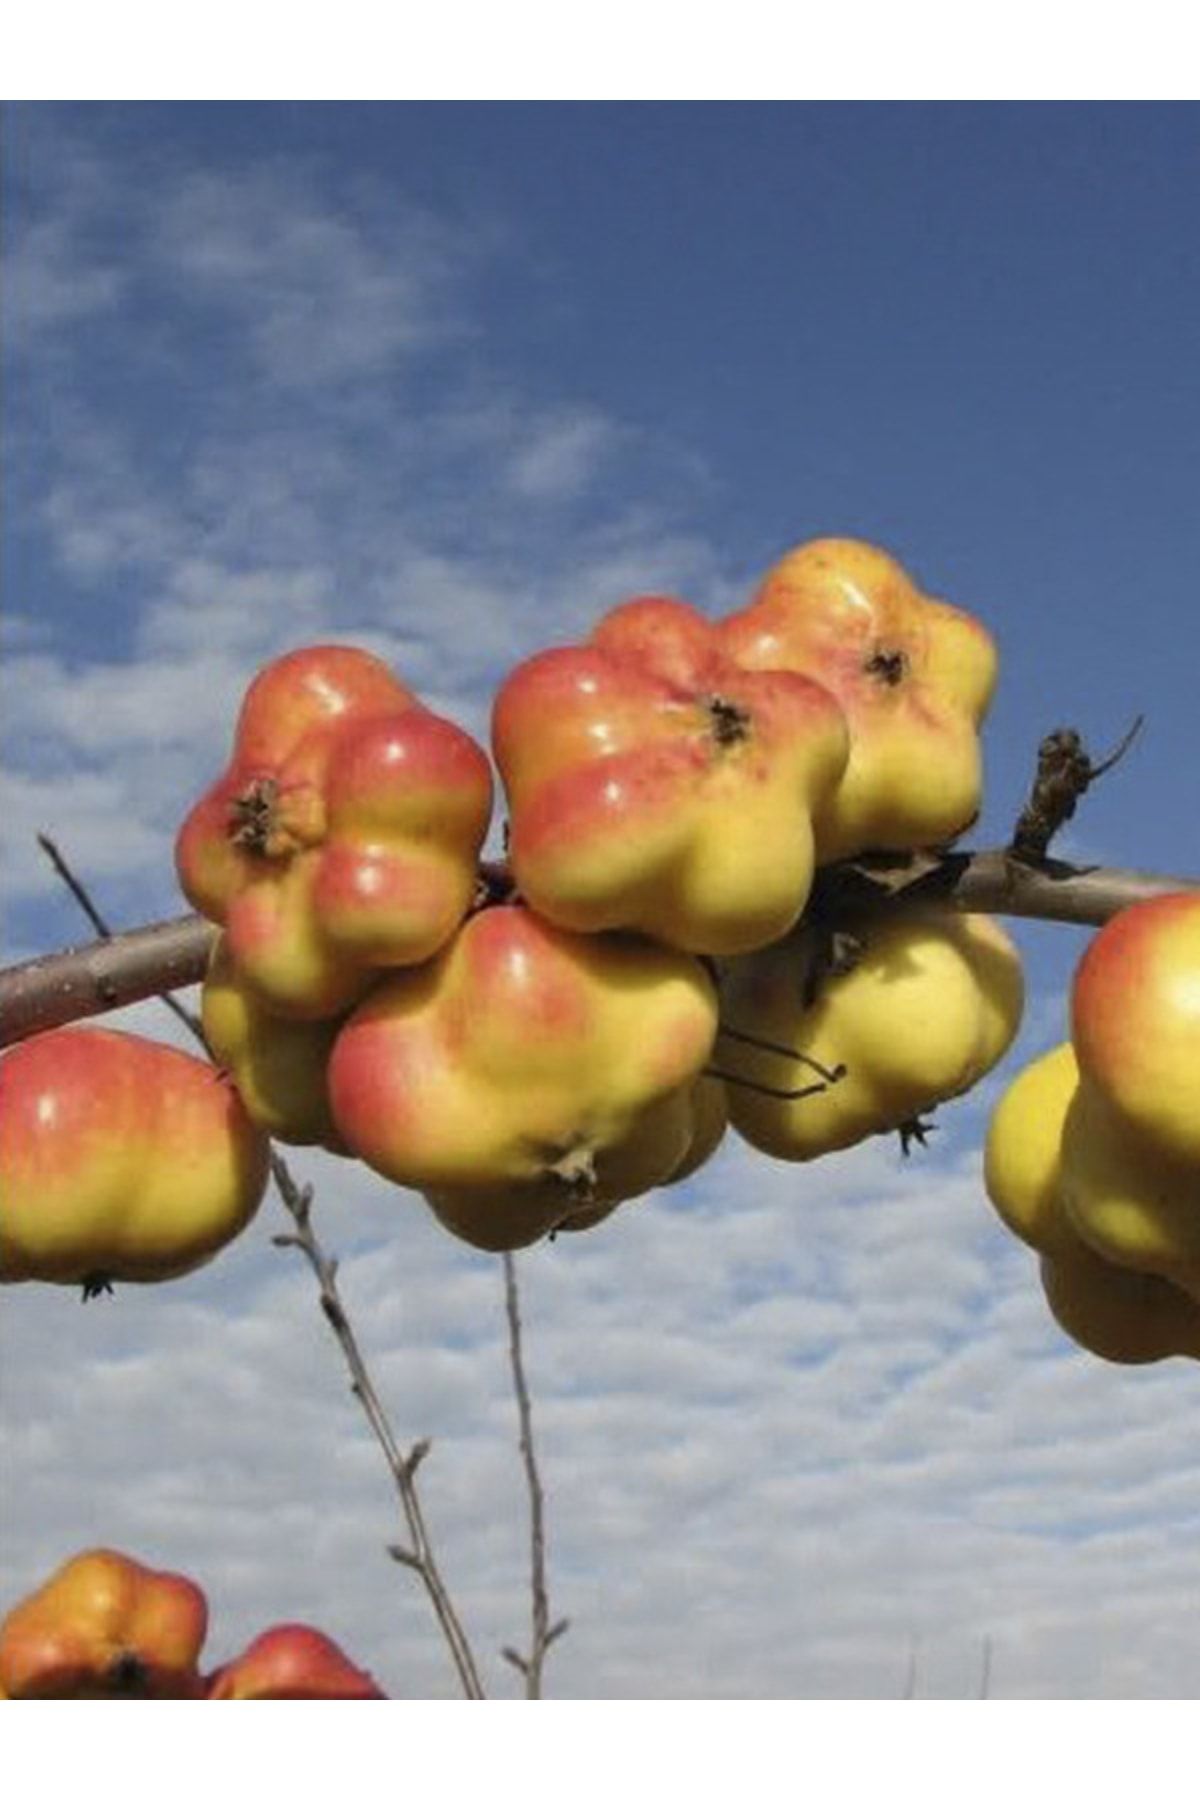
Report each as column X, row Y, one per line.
column 912, row 675
column 278, row 1065
column 344, row 835
column 1131, row 1141
column 1135, row 1022
column 105, row 1627
column 291, row 1662
column 527, row 1073
column 931, row 1003
column 655, row 786
column 120, row 1159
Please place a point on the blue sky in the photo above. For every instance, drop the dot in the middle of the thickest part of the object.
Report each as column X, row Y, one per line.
column 447, row 381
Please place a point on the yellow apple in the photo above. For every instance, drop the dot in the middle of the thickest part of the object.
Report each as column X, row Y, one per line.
column 1119, row 1314
column 932, row 1003
column 278, row 1065
column 1022, row 1154
column 912, row 675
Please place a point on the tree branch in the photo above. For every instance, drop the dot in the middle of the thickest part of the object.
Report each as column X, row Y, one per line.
column 543, row 1633
column 298, row 1201
column 153, row 960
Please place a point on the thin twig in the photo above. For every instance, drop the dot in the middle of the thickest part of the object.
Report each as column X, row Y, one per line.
column 298, row 1201
column 418, row 1554
column 543, row 1633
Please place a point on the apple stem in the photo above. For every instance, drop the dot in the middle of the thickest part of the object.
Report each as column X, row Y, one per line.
column 772, row 1093
column 800, row 1056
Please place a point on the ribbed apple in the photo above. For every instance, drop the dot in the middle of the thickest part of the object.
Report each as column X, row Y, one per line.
column 526, row 1073
column 913, row 675
column 1117, row 1313
column 930, row 1004
column 1135, row 1021
column 655, row 786
column 278, row 1065
column 292, row 1662
column 344, row 835
column 1131, row 1203
column 509, row 1216
column 105, row 1627
column 1022, row 1158
column 120, row 1159
column 1131, row 1141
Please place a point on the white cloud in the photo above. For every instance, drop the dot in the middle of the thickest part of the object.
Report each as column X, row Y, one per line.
column 318, row 301
column 561, row 456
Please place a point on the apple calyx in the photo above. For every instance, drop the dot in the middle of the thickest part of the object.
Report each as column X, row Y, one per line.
column 264, row 825
column 128, row 1675
column 889, row 666
column 576, row 1169
column 728, row 722
column 95, row 1284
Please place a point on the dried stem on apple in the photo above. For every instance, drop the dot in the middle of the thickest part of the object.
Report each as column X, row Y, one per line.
column 543, row 1634
column 419, row 1555
column 1065, row 772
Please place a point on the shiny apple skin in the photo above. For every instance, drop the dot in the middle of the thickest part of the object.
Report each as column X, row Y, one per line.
column 655, row 786
column 292, row 1662
column 344, row 836
column 105, row 1627
column 913, row 675
column 1135, row 1021
column 1022, row 1159
column 932, row 1003
column 526, row 1072
column 120, row 1158
column 279, row 1066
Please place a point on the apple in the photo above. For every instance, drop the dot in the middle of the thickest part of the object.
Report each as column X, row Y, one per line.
column 1120, row 1314
column 1131, row 1139
column 292, row 1662
column 526, row 1073
column 1131, row 1203
column 105, row 1627
column 343, row 837
column 1022, row 1158
column 1135, row 1021
column 655, row 786
column 930, row 1005
column 121, row 1159
column 913, row 676
column 278, row 1066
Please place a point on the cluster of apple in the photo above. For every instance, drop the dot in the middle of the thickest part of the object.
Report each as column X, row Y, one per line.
column 1093, row 1153
column 529, row 1045
column 105, row 1627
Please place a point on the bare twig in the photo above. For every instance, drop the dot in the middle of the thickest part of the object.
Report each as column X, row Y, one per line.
column 1065, row 772
column 543, row 1633
column 418, row 1554
column 298, row 1201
